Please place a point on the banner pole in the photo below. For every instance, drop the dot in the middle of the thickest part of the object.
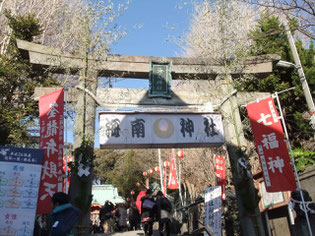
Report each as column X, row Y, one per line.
column 180, row 182
column 66, row 139
column 161, row 168
column 293, row 162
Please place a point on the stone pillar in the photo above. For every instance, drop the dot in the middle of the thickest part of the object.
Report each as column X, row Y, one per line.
column 84, row 132
column 247, row 201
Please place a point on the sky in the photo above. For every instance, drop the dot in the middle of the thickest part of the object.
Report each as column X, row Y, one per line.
column 160, row 22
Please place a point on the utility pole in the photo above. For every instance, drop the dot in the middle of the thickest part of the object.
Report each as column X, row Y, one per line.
column 298, row 66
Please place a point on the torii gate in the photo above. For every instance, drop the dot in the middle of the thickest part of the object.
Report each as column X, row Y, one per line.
column 217, row 90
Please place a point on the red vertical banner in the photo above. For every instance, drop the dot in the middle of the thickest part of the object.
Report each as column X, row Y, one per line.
column 51, row 110
column 271, row 147
column 172, row 179
column 220, row 173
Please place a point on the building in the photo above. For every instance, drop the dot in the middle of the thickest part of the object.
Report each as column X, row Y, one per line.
column 102, row 193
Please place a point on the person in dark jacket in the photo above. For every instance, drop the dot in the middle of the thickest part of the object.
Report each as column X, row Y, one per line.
column 164, row 208
column 63, row 216
column 105, row 215
column 148, row 208
column 121, row 215
column 300, row 222
column 134, row 217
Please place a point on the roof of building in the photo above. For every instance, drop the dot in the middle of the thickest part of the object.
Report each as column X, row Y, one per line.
column 101, row 193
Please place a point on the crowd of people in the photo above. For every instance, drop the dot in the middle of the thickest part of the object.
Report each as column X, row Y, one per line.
column 120, row 217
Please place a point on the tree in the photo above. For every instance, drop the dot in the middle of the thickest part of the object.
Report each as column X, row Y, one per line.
column 62, row 22
column 117, row 166
column 293, row 106
column 219, row 30
column 17, row 83
column 105, row 162
column 302, row 11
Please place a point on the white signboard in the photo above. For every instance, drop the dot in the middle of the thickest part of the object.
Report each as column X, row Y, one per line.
column 213, row 212
column 20, row 170
column 126, row 130
column 270, row 199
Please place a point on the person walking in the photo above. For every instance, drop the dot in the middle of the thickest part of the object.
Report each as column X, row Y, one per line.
column 106, row 215
column 164, row 208
column 63, row 216
column 148, row 208
column 121, row 214
column 134, row 217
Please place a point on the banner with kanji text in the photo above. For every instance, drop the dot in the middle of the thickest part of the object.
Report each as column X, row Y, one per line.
column 51, row 110
column 271, row 146
column 220, row 173
column 172, row 179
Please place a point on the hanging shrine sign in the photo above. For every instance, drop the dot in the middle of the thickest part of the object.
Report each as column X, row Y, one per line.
column 271, row 147
column 143, row 130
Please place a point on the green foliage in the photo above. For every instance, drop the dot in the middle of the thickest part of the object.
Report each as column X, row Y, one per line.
column 24, row 27
column 105, row 162
column 126, row 175
column 270, row 37
column 303, row 158
column 122, row 168
column 17, row 82
column 83, row 155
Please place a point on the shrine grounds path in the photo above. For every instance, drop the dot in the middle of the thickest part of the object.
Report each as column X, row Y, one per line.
column 129, row 233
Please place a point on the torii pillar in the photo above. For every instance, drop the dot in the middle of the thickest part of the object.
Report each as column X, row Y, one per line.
column 138, row 67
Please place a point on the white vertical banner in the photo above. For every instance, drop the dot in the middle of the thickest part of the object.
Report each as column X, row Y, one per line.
column 213, row 210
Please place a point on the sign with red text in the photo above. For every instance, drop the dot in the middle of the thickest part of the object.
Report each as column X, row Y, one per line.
column 20, row 170
column 51, row 110
column 271, row 147
column 172, row 179
column 220, row 173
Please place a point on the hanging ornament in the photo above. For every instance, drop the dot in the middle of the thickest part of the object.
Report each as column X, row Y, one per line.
column 157, row 169
column 138, row 184
column 145, row 173
column 150, row 171
column 166, row 164
column 180, row 154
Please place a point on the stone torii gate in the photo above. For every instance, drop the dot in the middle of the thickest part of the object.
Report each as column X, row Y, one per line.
column 189, row 95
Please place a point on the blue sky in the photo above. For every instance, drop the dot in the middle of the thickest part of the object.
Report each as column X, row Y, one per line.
column 160, row 19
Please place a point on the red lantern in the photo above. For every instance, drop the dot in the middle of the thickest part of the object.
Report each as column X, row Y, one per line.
column 150, row 171
column 128, row 199
column 166, row 164
column 145, row 174
column 137, row 184
column 180, row 154
column 132, row 192
column 157, row 169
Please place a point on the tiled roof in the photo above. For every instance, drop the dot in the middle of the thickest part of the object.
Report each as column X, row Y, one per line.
column 101, row 193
